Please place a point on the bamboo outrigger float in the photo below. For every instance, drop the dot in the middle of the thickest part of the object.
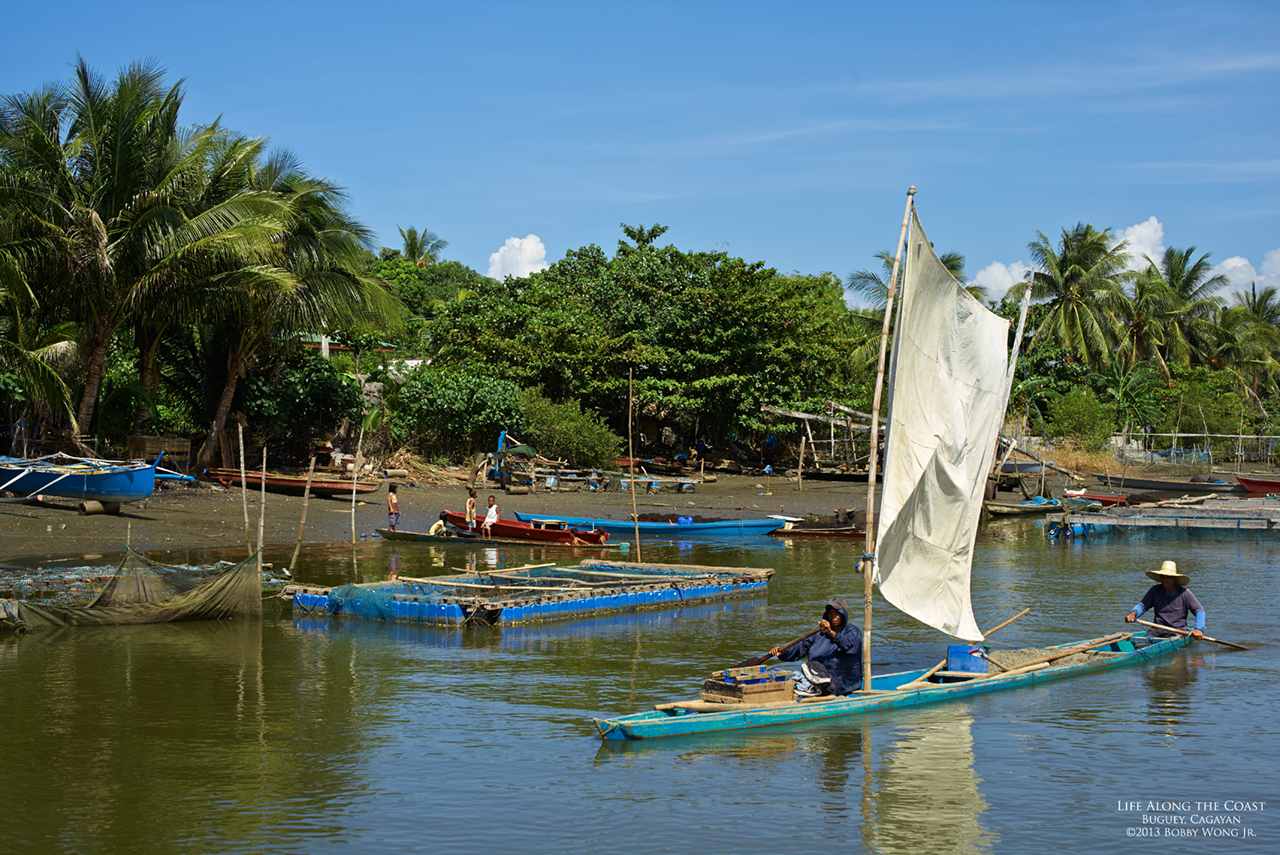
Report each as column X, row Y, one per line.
column 954, row 373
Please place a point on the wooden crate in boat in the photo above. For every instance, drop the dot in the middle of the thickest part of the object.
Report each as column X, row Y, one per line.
column 749, row 686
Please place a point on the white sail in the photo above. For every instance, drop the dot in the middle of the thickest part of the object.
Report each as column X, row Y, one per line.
column 948, row 388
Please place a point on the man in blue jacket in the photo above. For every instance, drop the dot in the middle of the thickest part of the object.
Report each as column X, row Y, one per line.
column 836, row 646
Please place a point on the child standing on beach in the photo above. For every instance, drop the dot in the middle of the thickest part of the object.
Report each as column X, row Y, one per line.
column 471, row 510
column 393, row 507
column 490, row 517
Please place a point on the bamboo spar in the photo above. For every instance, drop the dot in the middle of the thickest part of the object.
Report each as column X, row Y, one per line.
column 875, row 434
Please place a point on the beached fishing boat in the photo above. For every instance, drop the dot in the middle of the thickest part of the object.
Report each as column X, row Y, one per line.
column 531, row 594
column 1106, row 500
column 1259, row 485
column 949, row 385
column 541, row 530
column 293, row 485
column 142, row 591
column 667, row 530
column 1030, row 507
column 806, row 528
column 1157, row 485
column 67, row 477
column 455, row 537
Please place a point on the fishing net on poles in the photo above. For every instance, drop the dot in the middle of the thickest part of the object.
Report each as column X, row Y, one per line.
column 143, row 591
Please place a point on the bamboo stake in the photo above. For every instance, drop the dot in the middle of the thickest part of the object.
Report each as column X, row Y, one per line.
column 631, row 454
column 800, row 468
column 306, row 500
column 355, row 483
column 262, row 510
column 875, row 436
column 244, row 493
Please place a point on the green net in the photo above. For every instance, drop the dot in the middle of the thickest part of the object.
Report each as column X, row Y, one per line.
column 142, row 591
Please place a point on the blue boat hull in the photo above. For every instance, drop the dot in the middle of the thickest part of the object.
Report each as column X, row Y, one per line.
column 681, row 722
column 667, row 531
column 80, row 480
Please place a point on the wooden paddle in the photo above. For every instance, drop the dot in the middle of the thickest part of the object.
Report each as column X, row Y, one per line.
column 765, row 657
column 1203, row 638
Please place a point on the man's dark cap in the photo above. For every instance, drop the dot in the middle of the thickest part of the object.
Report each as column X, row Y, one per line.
column 838, row 604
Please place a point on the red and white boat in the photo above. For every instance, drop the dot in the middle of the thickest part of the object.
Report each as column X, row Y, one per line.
column 538, row 531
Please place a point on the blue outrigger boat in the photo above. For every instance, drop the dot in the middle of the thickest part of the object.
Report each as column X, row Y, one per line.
column 892, row 691
column 69, row 477
column 951, row 374
column 664, row 530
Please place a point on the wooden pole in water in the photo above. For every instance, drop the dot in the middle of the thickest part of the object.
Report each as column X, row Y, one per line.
column 355, row 482
column 631, row 455
column 306, row 499
column 262, row 511
column 869, row 551
column 244, row 493
column 800, row 468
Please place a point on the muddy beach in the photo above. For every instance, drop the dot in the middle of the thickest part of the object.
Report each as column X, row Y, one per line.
column 204, row 516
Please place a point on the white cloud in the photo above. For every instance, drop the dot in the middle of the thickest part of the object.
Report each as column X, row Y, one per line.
column 1242, row 273
column 998, row 278
column 518, row 257
column 1145, row 239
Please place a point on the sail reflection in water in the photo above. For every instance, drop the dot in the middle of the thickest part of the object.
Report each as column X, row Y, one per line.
column 923, row 794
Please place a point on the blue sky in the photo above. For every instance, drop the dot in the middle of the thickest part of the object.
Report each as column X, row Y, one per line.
column 786, row 133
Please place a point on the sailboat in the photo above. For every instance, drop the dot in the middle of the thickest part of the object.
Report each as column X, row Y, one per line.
column 949, row 381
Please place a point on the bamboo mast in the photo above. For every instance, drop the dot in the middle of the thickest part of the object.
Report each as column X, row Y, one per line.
column 870, row 551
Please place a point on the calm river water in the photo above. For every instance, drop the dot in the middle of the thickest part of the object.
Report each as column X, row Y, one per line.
column 305, row 736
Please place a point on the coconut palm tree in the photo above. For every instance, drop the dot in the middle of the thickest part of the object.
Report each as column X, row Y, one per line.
column 1082, row 282
column 98, row 176
column 424, row 248
column 873, row 287
column 1193, row 292
column 312, row 278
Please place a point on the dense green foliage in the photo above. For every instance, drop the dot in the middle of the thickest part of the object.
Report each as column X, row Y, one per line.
column 1078, row 417
column 566, row 432
column 708, row 338
column 450, row 411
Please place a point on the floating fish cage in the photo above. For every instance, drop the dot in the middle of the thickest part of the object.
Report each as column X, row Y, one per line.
column 531, row 594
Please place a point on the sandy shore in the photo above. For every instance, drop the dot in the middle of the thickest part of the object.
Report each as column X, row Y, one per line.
column 204, row 516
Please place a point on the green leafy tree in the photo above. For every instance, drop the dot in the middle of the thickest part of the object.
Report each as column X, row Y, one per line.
column 1080, row 419
column 566, row 432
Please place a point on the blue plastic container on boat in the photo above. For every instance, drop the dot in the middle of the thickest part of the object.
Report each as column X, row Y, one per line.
column 965, row 658
column 684, row 520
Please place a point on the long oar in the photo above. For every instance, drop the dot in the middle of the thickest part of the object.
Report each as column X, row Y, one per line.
column 765, row 657
column 1203, row 637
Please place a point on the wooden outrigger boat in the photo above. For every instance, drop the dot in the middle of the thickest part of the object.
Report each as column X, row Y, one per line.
column 78, row 478
column 667, row 530
column 293, row 485
column 541, row 530
column 1157, row 485
column 453, row 537
column 1259, row 485
column 894, row 691
column 949, row 349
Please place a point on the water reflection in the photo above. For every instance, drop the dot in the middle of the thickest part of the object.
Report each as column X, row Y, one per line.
column 925, row 797
column 1168, row 700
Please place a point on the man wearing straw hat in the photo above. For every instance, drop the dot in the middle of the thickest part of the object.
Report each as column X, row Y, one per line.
column 1171, row 601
